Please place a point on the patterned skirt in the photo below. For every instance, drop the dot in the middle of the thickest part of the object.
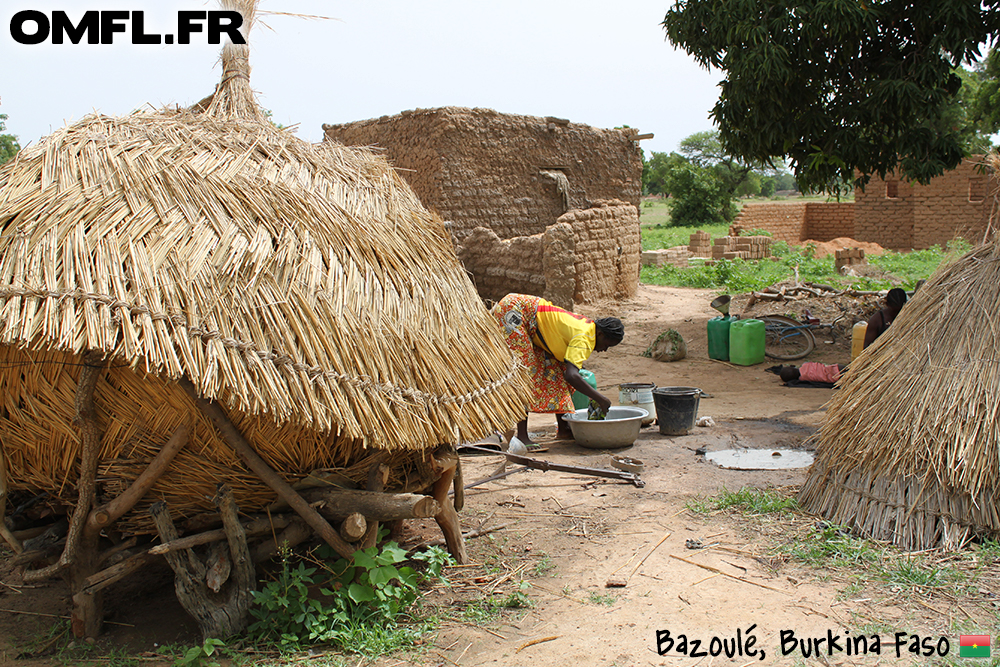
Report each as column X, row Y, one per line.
column 516, row 315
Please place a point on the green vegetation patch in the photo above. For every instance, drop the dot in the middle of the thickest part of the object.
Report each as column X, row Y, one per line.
column 737, row 276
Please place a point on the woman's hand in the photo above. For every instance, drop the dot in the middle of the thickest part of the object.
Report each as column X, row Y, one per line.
column 575, row 380
column 604, row 403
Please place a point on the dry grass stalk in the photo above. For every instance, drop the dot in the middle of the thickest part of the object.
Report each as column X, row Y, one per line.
column 302, row 286
column 908, row 452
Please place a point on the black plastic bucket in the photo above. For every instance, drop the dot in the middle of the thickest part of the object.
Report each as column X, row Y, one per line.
column 676, row 409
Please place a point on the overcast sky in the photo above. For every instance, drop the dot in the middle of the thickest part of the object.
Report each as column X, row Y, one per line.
column 597, row 62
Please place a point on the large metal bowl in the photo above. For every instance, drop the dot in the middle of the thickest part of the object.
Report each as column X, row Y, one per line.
column 619, row 429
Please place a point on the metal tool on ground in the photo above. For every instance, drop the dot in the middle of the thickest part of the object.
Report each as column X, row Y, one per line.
column 627, row 464
column 536, row 464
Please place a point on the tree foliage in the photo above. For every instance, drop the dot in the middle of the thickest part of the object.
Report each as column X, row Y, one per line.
column 985, row 102
column 699, row 197
column 835, row 86
column 8, row 142
column 703, row 180
column 704, row 149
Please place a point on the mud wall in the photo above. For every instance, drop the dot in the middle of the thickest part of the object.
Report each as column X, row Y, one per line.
column 608, row 248
column 501, row 266
column 901, row 215
column 795, row 222
column 513, row 174
column 585, row 256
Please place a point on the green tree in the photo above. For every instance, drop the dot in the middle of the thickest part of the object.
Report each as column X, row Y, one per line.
column 704, row 149
column 655, row 172
column 836, row 86
column 698, row 196
column 8, row 142
column 985, row 101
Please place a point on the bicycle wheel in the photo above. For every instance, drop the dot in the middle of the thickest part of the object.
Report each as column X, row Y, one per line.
column 786, row 339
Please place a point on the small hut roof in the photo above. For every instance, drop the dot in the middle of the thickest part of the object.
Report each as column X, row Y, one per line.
column 302, row 286
column 909, row 450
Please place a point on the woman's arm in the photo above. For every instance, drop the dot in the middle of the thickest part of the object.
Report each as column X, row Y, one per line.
column 873, row 330
column 572, row 375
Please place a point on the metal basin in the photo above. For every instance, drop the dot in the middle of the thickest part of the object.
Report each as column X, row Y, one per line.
column 619, row 429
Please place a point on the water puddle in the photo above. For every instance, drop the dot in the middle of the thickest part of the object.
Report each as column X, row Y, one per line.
column 761, row 459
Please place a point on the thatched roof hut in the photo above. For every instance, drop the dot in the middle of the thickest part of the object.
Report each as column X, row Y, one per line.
column 302, row 287
column 909, row 450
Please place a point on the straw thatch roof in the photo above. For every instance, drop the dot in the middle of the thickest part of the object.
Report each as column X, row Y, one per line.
column 301, row 286
column 910, row 450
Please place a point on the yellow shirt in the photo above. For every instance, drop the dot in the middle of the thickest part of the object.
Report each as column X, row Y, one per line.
column 567, row 336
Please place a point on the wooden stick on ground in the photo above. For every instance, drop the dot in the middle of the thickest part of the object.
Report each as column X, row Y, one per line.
column 479, row 532
column 235, row 439
column 536, row 641
column 621, row 583
column 726, row 574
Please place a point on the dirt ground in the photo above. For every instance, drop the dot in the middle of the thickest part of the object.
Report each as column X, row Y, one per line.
column 568, row 534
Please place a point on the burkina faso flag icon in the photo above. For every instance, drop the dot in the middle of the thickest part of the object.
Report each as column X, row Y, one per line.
column 974, row 646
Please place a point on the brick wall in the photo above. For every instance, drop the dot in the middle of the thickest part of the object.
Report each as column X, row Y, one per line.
column 826, row 221
column 587, row 255
column 901, row 215
column 795, row 222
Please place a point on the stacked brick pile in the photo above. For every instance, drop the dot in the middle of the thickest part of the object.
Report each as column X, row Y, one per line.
column 701, row 244
column 741, row 247
column 849, row 257
column 673, row 256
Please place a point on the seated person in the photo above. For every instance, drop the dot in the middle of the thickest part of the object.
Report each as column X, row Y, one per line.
column 811, row 372
column 881, row 320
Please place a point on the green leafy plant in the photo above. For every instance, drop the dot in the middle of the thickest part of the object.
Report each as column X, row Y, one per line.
column 359, row 605
column 201, row 656
column 543, row 566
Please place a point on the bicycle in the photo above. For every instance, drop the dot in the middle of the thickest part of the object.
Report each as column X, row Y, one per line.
column 788, row 339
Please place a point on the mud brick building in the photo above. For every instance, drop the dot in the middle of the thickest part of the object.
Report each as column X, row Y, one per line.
column 537, row 205
column 891, row 212
column 901, row 215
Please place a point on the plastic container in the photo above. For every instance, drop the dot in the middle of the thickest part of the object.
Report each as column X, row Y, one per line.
column 639, row 394
column 676, row 409
column 746, row 342
column 718, row 337
column 858, row 339
column 581, row 401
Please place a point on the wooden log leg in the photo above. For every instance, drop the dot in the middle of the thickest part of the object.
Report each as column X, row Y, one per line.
column 378, row 475
column 88, row 608
column 90, row 444
column 218, row 615
column 235, row 612
column 448, row 519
